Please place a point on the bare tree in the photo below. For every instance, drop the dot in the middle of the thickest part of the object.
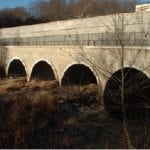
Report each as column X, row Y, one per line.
column 118, row 25
column 52, row 10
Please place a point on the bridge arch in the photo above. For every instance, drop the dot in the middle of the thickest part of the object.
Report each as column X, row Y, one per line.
column 136, row 93
column 16, row 68
column 75, row 73
column 44, row 70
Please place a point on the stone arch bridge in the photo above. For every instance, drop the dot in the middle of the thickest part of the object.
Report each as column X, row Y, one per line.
column 78, row 51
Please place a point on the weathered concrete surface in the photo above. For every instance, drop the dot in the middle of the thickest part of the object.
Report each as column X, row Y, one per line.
column 137, row 22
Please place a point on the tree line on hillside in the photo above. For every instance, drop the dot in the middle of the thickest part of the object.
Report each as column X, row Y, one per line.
column 43, row 11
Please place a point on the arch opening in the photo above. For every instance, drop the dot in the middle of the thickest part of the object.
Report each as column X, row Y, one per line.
column 42, row 71
column 136, row 94
column 16, row 69
column 78, row 74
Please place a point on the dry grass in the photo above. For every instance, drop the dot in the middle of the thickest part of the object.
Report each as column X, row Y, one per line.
column 44, row 99
column 25, row 121
column 43, row 115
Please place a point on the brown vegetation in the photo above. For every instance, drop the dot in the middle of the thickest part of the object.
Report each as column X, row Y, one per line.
column 44, row 115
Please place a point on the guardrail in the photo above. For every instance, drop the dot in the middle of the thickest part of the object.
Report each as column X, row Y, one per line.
column 96, row 39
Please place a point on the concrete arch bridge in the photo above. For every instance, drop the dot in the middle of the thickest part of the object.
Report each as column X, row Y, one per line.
column 81, row 51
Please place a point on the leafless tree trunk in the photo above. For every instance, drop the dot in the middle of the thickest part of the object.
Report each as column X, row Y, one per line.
column 118, row 26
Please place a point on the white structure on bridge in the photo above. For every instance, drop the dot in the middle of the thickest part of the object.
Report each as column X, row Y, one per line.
column 143, row 7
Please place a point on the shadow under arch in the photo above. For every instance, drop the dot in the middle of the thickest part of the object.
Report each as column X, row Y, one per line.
column 42, row 70
column 136, row 94
column 16, row 68
column 78, row 74
column 2, row 72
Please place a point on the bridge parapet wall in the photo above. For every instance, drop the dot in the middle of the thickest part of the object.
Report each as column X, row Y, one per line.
column 99, row 30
